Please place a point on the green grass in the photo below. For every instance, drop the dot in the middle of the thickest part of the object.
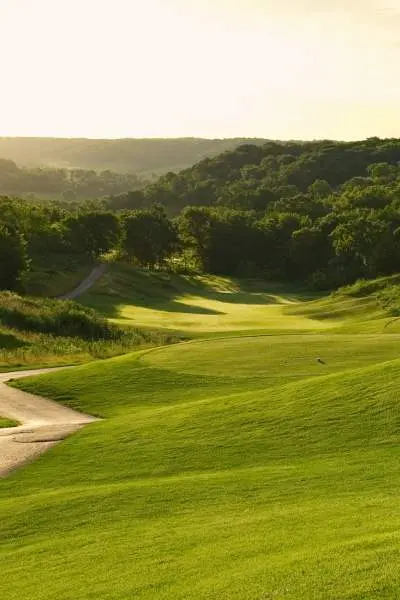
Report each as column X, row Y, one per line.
column 211, row 306
column 37, row 332
column 235, row 468
column 231, row 468
column 56, row 274
column 7, row 423
column 197, row 305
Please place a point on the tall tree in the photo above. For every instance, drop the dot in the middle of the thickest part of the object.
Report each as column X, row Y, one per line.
column 14, row 260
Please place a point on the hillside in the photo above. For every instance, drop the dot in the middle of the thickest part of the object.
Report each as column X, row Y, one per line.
column 279, row 175
column 39, row 332
column 240, row 468
column 205, row 305
column 321, row 214
column 121, row 155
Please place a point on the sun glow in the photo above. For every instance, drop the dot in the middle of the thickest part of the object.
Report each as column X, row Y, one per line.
column 285, row 69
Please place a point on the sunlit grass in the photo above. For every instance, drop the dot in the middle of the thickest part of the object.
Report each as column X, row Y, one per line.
column 197, row 305
column 252, row 467
column 213, row 484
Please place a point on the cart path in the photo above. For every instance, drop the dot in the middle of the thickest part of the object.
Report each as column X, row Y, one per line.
column 86, row 283
column 43, row 423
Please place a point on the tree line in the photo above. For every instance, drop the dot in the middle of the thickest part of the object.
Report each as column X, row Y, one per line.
column 71, row 184
column 324, row 232
column 259, row 178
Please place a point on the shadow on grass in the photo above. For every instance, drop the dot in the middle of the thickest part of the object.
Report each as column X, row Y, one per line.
column 10, row 342
column 109, row 306
column 162, row 292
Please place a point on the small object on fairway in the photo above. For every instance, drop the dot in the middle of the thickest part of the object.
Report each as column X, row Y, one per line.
column 321, row 362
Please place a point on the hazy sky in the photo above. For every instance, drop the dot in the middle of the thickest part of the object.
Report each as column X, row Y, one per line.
column 212, row 68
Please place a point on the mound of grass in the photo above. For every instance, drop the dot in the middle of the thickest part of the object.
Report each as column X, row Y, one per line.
column 366, row 287
column 368, row 306
column 58, row 317
column 39, row 332
column 55, row 274
column 209, row 479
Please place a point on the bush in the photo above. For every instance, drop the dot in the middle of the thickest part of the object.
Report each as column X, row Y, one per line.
column 57, row 317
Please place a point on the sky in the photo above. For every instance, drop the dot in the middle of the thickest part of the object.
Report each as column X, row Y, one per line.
column 278, row 69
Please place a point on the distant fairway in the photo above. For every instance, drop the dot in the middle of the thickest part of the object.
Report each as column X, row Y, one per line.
column 237, row 468
column 198, row 305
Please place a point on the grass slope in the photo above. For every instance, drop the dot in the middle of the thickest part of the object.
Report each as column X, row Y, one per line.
column 197, row 305
column 224, row 469
column 56, row 274
column 367, row 306
column 39, row 332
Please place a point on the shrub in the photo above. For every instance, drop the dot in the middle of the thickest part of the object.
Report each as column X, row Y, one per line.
column 58, row 317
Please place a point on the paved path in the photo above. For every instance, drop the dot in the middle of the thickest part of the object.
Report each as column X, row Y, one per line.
column 44, row 423
column 86, row 284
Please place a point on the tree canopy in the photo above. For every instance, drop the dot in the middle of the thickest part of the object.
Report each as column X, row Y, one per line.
column 323, row 213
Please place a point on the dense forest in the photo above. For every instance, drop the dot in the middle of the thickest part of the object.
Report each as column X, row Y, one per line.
column 122, row 156
column 71, row 184
column 320, row 213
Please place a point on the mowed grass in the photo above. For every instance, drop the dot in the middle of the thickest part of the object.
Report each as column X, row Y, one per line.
column 211, row 306
column 197, row 305
column 223, row 469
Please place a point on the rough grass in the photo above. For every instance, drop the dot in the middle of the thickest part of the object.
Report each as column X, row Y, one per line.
column 48, row 332
column 229, row 469
column 369, row 306
column 58, row 317
column 55, row 274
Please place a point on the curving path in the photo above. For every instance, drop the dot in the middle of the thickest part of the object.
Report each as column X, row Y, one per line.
column 86, row 284
column 44, row 423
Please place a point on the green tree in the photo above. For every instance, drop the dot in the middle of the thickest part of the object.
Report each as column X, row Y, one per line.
column 92, row 233
column 149, row 237
column 14, row 260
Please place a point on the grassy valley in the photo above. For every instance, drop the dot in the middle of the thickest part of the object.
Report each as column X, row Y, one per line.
column 200, row 336
column 247, row 463
column 256, row 459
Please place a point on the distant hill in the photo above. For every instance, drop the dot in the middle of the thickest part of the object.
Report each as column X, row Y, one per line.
column 123, row 155
column 265, row 176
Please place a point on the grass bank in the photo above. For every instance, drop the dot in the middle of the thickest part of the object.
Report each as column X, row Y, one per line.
column 55, row 274
column 235, row 468
column 197, row 305
column 262, row 464
column 38, row 332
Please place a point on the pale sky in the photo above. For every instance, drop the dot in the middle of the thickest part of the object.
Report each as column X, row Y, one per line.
column 281, row 69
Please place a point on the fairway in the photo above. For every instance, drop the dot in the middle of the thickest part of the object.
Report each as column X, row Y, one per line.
column 235, row 468
column 198, row 305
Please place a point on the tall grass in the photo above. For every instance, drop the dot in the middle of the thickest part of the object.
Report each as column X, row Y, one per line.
column 46, row 332
column 57, row 317
column 386, row 291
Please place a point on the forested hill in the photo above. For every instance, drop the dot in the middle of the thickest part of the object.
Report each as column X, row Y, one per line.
column 122, row 155
column 260, row 177
column 323, row 213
